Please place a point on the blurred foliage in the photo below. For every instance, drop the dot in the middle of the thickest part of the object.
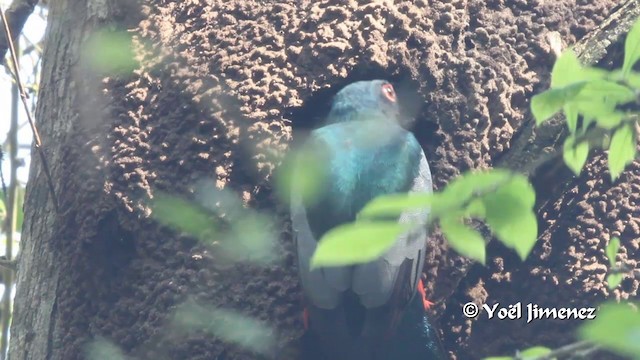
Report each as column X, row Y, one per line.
column 20, row 215
column 219, row 219
column 532, row 353
column 590, row 99
column 503, row 199
column 103, row 349
column 617, row 328
column 614, row 278
column 601, row 100
column 227, row 325
column 183, row 215
column 599, row 97
column 111, row 52
column 356, row 243
column 300, row 169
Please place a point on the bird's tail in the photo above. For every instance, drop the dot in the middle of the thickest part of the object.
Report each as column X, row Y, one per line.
column 416, row 339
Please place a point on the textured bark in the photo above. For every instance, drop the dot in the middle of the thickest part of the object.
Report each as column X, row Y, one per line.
column 535, row 150
column 38, row 329
column 222, row 90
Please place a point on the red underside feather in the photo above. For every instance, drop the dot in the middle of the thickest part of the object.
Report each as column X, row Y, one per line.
column 426, row 303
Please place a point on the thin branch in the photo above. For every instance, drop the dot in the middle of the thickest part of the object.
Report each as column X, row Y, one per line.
column 9, row 264
column 532, row 145
column 23, row 96
column 584, row 347
column 590, row 136
column 17, row 15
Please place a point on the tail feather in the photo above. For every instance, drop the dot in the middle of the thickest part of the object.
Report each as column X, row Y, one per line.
column 416, row 339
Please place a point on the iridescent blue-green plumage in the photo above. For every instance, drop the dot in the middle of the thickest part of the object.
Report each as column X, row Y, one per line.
column 416, row 338
column 365, row 311
column 361, row 160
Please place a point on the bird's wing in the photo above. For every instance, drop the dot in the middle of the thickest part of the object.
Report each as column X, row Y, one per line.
column 399, row 270
column 323, row 287
column 393, row 275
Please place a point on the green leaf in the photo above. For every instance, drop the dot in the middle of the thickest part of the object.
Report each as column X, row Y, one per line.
column 182, row 215
column 3, row 210
column 111, row 52
column 571, row 115
column 546, row 104
column 590, row 73
column 575, row 156
column 606, row 141
column 499, row 358
column 476, row 209
column 566, row 70
column 227, row 325
column 303, row 171
column 586, row 123
column 20, row 216
column 612, row 250
column 451, row 199
column 250, row 238
column 631, row 48
column 611, row 120
column 607, row 90
column 357, row 243
column 613, row 280
column 617, row 328
column 520, row 186
column 510, row 216
column 622, row 150
column 462, row 239
column 593, row 108
column 459, row 191
column 470, row 183
column 534, row 352
column 395, row 204
column 103, row 349
column 633, row 79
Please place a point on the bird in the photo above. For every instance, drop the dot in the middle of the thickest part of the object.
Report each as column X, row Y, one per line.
column 374, row 310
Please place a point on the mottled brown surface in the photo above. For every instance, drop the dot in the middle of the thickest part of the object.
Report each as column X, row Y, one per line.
column 568, row 267
column 236, row 78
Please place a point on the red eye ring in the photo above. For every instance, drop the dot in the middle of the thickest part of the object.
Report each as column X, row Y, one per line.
column 388, row 92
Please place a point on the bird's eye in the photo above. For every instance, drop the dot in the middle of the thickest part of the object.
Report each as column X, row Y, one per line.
column 388, row 92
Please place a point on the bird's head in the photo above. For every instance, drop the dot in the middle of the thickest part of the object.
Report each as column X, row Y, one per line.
column 374, row 99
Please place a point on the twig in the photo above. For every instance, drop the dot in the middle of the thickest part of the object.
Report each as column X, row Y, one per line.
column 589, row 136
column 23, row 96
column 9, row 264
column 585, row 347
column 533, row 142
column 18, row 13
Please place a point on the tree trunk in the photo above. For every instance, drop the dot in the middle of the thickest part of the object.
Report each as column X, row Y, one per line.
column 38, row 327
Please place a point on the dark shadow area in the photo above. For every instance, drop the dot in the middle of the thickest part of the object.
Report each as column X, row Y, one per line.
column 412, row 106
